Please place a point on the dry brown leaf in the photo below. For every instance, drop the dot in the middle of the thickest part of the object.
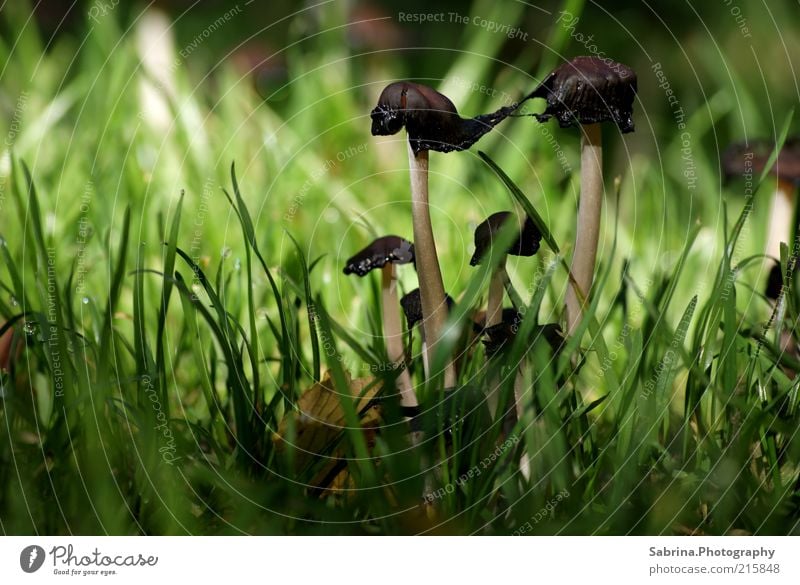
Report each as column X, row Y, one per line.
column 319, row 419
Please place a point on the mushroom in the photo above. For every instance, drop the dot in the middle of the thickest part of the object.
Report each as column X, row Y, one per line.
column 526, row 244
column 748, row 158
column 386, row 253
column 586, row 92
column 432, row 123
column 497, row 336
column 412, row 309
column 479, row 326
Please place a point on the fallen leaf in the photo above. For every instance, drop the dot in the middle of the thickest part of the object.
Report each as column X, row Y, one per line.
column 320, row 420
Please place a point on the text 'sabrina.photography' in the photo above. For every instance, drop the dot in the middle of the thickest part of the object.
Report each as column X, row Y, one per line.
column 313, row 290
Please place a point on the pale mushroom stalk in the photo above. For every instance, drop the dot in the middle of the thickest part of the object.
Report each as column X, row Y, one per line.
column 588, row 228
column 586, row 92
column 432, row 122
column 431, row 285
column 749, row 159
column 494, row 316
column 393, row 335
column 780, row 219
column 494, row 308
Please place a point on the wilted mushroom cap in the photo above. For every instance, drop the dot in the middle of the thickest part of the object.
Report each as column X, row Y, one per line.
column 412, row 307
column 751, row 157
column 589, row 90
column 385, row 250
column 526, row 244
column 430, row 118
column 509, row 316
column 498, row 335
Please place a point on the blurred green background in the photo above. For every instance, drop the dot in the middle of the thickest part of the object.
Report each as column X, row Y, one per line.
column 113, row 105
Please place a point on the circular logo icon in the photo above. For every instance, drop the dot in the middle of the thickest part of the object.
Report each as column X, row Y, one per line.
column 31, row 558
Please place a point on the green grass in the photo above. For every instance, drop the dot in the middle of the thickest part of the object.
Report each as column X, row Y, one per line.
column 174, row 286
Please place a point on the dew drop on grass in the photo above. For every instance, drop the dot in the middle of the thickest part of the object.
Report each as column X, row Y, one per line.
column 237, row 265
column 85, row 300
column 226, row 252
column 13, row 301
column 29, row 328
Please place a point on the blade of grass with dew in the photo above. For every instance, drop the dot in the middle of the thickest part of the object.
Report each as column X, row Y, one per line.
column 287, row 351
column 254, row 353
column 312, row 328
column 236, row 380
column 56, row 347
column 166, row 293
column 213, row 401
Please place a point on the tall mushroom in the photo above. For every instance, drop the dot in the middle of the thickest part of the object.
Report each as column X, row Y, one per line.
column 432, row 123
column 750, row 158
column 386, row 253
column 586, row 92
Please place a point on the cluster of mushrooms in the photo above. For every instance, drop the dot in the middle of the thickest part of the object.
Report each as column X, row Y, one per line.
column 584, row 92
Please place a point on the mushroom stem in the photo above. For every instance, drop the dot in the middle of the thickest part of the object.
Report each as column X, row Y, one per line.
column 431, row 286
column 780, row 220
column 494, row 308
column 588, row 228
column 519, row 393
column 494, row 316
column 393, row 335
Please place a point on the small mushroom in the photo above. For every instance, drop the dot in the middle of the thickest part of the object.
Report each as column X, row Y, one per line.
column 526, row 244
column 750, row 158
column 412, row 309
column 586, row 92
column 479, row 326
column 386, row 254
column 504, row 332
column 432, row 123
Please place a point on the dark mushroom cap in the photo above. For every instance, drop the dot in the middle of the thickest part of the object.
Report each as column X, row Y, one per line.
column 498, row 335
column 526, row 244
column 412, row 307
column 751, row 157
column 589, row 90
column 430, row 118
column 385, row 250
column 774, row 283
column 510, row 316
